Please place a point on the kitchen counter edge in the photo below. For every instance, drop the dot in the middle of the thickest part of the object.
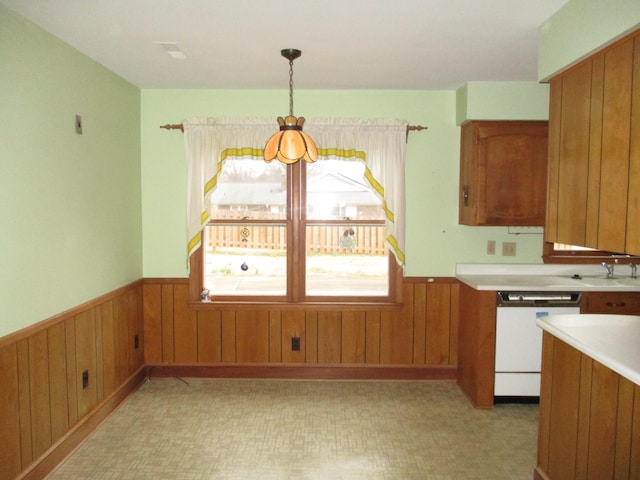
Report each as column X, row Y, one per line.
column 543, row 277
column 609, row 339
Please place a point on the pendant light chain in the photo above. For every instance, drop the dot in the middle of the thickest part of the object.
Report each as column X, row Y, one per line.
column 291, row 87
column 290, row 144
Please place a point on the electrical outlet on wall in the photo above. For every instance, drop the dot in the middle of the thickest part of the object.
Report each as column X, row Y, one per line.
column 508, row 249
column 491, row 247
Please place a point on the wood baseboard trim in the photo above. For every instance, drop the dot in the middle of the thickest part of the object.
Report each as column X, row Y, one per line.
column 56, row 454
column 538, row 474
column 305, row 372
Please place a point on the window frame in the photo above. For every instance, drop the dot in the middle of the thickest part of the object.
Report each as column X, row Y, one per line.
column 296, row 224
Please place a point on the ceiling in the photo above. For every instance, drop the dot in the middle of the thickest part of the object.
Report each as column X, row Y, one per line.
column 346, row 44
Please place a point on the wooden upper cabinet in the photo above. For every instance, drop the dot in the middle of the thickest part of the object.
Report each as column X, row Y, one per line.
column 503, row 173
column 616, row 139
column 568, row 170
column 633, row 201
column 594, row 152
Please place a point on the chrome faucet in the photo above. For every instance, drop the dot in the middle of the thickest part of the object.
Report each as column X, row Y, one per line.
column 634, row 269
column 609, row 267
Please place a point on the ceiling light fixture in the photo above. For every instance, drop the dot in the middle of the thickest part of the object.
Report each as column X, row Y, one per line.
column 290, row 144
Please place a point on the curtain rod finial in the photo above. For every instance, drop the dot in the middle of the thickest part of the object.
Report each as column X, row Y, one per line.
column 174, row 126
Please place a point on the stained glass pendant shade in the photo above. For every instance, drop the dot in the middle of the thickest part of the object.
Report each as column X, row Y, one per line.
column 290, row 144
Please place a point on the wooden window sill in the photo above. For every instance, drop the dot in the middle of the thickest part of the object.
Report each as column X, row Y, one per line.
column 321, row 306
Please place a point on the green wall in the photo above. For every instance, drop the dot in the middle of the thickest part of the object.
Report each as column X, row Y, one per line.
column 71, row 206
column 502, row 101
column 580, row 28
column 435, row 241
column 84, row 214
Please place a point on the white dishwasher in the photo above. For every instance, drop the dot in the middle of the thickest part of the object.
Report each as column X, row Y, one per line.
column 519, row 340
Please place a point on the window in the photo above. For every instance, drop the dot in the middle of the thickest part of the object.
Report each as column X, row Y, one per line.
column 299, row 233
column 562, row 253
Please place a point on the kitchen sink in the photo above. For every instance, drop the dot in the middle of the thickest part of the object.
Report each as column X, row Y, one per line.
column 598, row 281
column 516, row 282
column 632, row 282
column 611, row 282
column 560, row 281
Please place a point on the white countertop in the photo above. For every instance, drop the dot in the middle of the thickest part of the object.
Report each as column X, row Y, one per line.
column 546, row 277
column 612, row 340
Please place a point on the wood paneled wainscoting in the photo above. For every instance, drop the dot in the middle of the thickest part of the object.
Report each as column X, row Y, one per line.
column 150, row 327
column 45, row 410
column 416, row 340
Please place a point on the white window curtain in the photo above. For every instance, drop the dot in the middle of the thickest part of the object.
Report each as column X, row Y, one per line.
column 379, row 143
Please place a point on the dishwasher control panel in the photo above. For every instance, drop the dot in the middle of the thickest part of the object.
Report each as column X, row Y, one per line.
column 535, row 299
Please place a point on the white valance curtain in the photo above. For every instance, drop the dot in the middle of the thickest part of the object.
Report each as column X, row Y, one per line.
column 379, row 143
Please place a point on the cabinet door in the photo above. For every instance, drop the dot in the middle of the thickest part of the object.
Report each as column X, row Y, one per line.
column 621, row 303
column 553, row 161
column 468, row 201
column 503, row 173
column 595, row 152
column 614, row 172
column 568, row 170
column 633, row 208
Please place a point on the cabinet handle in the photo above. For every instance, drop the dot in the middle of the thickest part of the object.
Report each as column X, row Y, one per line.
column 615, row 304
column 465, row 196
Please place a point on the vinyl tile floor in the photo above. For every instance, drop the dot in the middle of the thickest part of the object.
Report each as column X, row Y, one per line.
column 237, row 429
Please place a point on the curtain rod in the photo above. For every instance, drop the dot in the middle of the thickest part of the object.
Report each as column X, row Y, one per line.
column 179, row 126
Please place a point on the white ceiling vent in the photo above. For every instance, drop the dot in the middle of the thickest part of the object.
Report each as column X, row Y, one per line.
column 172, row 49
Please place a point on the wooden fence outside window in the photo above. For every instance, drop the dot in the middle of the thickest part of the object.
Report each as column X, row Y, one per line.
column 366, row 239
